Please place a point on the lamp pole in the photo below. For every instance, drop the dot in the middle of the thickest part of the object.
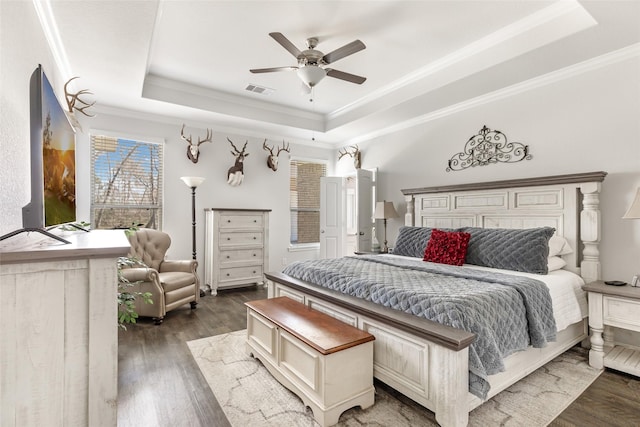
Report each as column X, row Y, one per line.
column 193, row 221
column 192, row 182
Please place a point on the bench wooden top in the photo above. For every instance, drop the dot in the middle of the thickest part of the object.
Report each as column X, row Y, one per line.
column 318, row 330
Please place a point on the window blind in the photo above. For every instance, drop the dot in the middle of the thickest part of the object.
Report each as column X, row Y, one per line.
column 126, row 183
column 304, row 200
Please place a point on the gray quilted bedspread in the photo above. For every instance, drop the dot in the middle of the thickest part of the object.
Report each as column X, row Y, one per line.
column 507, row 313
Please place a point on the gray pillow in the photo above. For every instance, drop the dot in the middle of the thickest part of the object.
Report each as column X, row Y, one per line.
column 523, row 250
column 412, row 241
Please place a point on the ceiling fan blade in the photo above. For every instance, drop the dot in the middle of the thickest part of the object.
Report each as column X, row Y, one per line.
column 345, row 76
column 274, row 69
column 346, row 50
column 285, row 43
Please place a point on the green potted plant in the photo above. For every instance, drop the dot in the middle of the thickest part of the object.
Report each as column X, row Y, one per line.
column 126, row 299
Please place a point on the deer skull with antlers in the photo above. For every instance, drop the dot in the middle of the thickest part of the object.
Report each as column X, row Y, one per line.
column 235, row 175
column 272, row 159
column 193, row 150
column 352, row 151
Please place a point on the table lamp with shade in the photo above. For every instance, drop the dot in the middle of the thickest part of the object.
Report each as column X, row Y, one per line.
column 193, row 182
column 385, row 210
column 634, row 213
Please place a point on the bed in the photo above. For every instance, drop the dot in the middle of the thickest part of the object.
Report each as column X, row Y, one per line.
column 430, row 361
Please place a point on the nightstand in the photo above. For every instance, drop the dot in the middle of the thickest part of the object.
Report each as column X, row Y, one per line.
column 617, row 306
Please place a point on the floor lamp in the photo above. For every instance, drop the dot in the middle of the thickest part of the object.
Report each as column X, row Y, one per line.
column 634, row 213
column 193, row 182
column 385, row 210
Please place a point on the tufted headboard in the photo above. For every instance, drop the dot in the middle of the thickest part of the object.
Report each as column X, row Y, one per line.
column 568, row 203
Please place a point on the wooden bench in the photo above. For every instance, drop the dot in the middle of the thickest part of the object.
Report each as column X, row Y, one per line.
column 326, row 362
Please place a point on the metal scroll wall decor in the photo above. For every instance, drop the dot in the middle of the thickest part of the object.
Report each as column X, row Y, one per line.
column 487, row 147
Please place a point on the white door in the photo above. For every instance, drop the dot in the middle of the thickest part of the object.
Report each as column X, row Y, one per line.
column 332, row 217
column 364, row 200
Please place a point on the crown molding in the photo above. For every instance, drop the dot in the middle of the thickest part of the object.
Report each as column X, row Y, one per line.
column 534, row 26
column 611, row 58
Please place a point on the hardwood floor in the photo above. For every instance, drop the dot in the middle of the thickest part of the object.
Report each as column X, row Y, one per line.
column 159, row 383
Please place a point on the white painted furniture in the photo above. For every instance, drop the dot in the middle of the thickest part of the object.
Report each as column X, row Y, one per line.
column 617, row 306
column 59, row 333
column 428, row 362
column 236, row 247
column 327, row 363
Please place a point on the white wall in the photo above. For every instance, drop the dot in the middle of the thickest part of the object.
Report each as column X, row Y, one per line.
column 584, row 123
column 23, row 47
column 588, row 122
column 262, row 188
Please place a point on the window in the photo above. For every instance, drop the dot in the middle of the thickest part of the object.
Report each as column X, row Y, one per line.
column 304, row 201
column 126, row 183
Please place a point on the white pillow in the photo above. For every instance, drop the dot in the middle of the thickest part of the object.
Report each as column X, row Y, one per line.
column 555, row 263
column 558, row 245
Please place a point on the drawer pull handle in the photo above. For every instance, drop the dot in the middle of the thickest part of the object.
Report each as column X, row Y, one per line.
column 228, row 257
column 254, row 237
column 255, row 220
column 254, row 254
column 228, row 220
column 228, row 274
column 228, row 238
column 254, row 272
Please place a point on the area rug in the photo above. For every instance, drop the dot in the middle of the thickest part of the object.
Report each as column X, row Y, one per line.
column 250, row 396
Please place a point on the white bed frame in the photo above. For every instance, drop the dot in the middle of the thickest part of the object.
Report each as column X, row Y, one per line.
column 428, row 362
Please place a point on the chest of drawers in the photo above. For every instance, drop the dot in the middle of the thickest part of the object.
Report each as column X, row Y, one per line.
column 236, row 247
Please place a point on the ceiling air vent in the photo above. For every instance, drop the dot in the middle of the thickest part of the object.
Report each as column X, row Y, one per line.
column 259, row 89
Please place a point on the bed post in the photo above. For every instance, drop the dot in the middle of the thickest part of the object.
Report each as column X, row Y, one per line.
column 409, row 216
column 590, row 231
column 451, row 380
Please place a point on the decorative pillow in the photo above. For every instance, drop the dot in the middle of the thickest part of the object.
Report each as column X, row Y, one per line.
column 523, row 250
column 412, row 241
column 447, row 247
column 555, row 263
column 558, row 245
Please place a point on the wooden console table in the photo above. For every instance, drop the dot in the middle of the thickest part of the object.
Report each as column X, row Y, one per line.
column 59, row 334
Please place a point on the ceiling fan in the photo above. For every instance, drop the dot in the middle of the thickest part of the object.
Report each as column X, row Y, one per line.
column 312, row 63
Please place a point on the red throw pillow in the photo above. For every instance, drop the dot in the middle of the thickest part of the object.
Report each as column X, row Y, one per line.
column 447, row 247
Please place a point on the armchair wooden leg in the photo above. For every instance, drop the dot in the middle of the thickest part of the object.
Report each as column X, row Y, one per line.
column 158, row 320
column 193, row 305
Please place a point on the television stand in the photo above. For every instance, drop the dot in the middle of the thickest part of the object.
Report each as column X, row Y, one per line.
column 38, row 230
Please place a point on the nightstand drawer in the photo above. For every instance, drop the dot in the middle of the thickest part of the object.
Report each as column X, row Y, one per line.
column 621, row 312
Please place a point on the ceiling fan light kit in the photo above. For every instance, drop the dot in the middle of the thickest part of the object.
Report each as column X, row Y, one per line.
column 311, row 62
column 311, row 74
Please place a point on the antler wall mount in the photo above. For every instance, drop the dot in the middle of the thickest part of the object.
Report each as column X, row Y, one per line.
column 354, row 152
column 75, row 103
column 193, row 150
column 272, row 159
column 235, row 175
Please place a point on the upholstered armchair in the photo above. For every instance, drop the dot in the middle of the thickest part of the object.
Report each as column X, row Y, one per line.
column 171, row 283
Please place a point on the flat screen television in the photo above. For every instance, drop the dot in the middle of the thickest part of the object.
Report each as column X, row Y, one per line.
column 53, row 161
